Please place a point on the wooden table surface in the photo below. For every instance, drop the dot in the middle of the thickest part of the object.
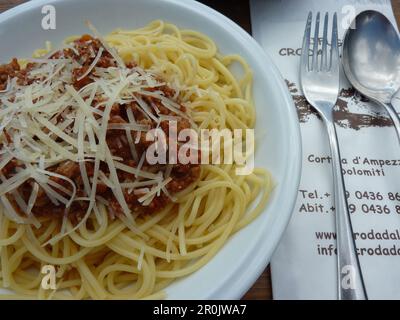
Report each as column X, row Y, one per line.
column 238, row 11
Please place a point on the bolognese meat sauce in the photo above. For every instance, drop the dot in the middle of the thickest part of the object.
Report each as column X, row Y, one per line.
column 84, row 53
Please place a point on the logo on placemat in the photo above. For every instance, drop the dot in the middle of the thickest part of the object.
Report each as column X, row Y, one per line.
column 352, row 110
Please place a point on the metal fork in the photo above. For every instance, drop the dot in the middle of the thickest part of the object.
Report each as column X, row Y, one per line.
column 320, row 84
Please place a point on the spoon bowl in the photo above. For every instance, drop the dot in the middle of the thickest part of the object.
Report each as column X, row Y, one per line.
column 371, row 59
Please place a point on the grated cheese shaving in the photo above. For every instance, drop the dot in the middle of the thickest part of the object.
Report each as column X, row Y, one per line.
column 91, row 67
column 50, row 122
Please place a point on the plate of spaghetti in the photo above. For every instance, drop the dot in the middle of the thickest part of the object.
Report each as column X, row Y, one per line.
column 148, row 150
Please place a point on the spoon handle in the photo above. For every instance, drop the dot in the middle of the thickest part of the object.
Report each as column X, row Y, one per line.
column 350, row 280
column 393, row 115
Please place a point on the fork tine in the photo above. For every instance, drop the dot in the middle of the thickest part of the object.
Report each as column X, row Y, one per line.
column 306, row 44
column 324, row 57
column 314, row 66
column 334, row 46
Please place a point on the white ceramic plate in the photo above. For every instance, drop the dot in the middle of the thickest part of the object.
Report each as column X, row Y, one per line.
column 240, row 262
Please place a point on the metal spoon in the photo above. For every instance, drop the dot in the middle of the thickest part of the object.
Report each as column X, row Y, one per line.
column 371, row 60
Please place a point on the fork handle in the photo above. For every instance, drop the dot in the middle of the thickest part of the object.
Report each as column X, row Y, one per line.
column 350, row 280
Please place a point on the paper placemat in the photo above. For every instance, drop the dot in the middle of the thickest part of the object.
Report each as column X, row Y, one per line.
column 304, row 264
